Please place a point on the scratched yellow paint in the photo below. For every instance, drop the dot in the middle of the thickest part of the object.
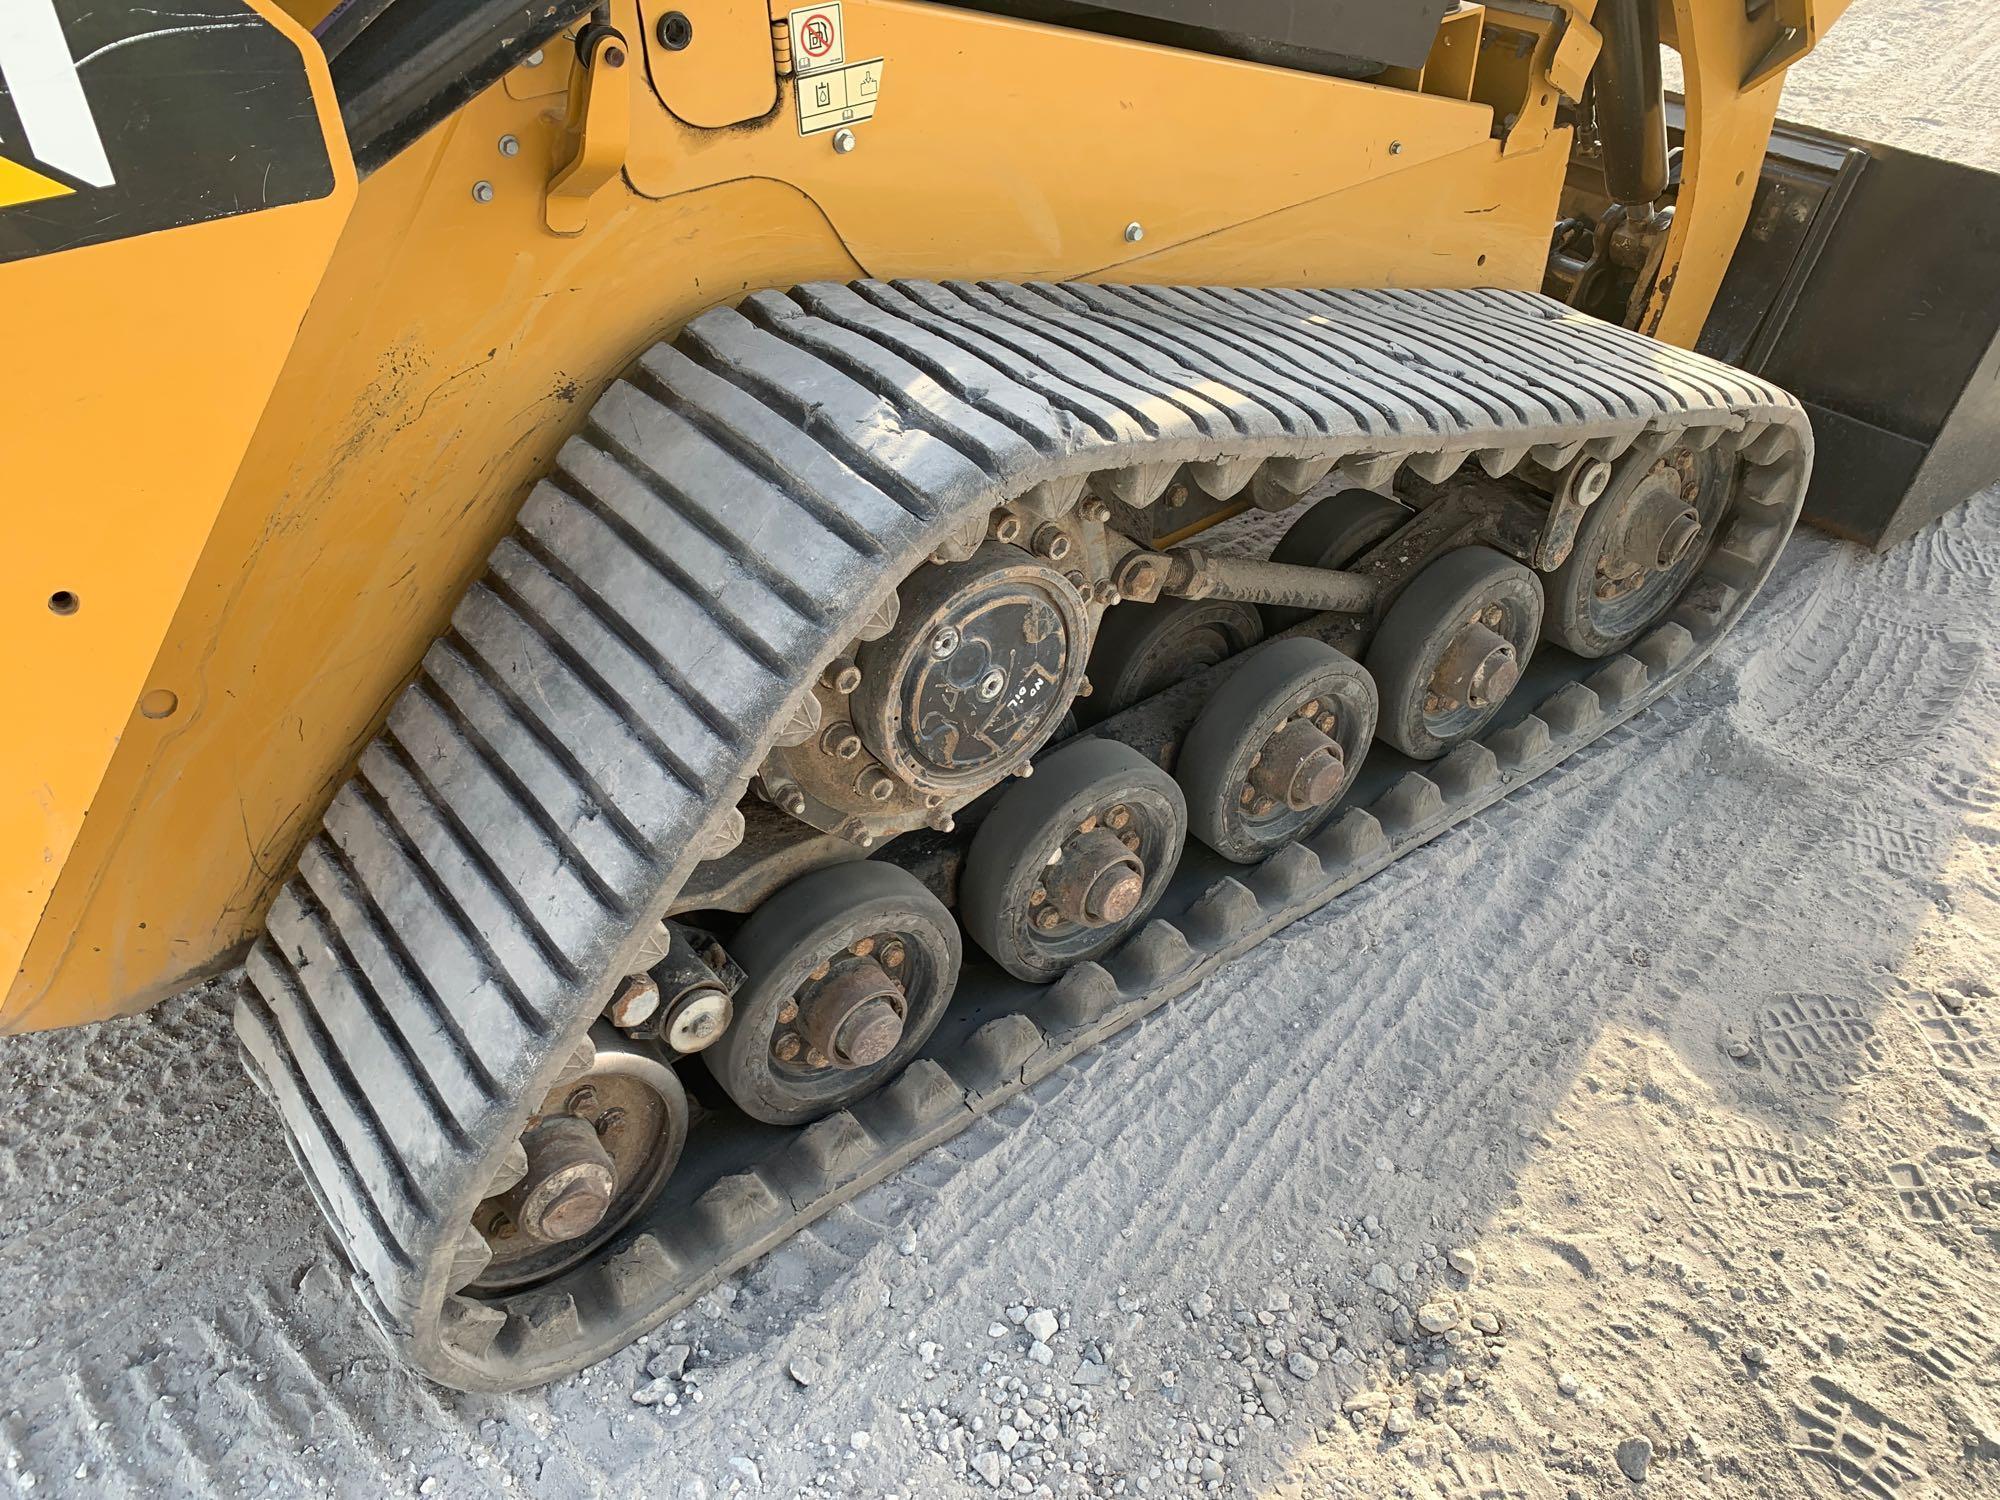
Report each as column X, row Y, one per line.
column 454, row 343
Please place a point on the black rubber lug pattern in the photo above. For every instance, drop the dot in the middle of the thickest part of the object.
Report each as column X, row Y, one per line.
column 731, row 513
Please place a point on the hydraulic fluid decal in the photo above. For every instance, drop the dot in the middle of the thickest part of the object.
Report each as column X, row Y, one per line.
column 118, row 120
column 831, row 91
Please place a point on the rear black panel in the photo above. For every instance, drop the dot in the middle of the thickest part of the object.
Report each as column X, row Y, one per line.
column 1350, row 38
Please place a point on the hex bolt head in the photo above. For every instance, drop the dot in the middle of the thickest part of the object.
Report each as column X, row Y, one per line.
column 841, row 674
column 1052, row 542
column 840, row 741
column 876, row 784
column 636, row 1000
column 1094, row 510
column 1047, row 918
column 482, row 191
column 1134, row 232
column 1005, row 527
column 785, row 1046
column 510, row 145
column 992, row 685
column 843, row 141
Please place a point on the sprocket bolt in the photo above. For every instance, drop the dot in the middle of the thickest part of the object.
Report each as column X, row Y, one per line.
column 945, row 642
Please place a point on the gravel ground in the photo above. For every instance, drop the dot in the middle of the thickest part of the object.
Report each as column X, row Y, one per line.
column 1638, row 1137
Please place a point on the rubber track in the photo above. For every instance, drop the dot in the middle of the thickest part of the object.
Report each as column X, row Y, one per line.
column 731, row 513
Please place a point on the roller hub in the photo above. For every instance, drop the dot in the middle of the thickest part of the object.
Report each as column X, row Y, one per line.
column 854, row 1017
column 570, row 1180
column 1480, row 667
column 1301, row 765
column 1096, row 879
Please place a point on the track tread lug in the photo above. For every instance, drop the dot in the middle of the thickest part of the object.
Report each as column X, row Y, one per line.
column 1220, row 912
column 1619, row 682
column 920, row 1096
column 736, row 1207
column 1466, row 771
column 1520, row 745
column 1154, row 953
column 995, row 1055
column 1571, row 711
column 1084, row 995
column 1408, row 805
column 1286, row 875
column 1354, row 839
column 1664, row 647
column 827, row 1151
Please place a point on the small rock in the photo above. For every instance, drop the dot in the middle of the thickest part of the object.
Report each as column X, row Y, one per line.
column 996, row 1330
column 653, row 1392
column 1090, row 1373
column 1756, row 1354
column 1304, row 1366
column 1462, row 1261
column 1486, row 1322
column 1041, row 1324
column 1738, row 1049
column 987, row 1467
column 1364, row 1401
column 1382, row 1276
column 1398, row 1422
column 859, row 1441
column 927, row 1351
column 1635, row 1456
column 1567, row 1383
column 1201, row 1304
column 1041, row 1353
column 1006, row 1437
column 1437, row 1317
column 672, row 1360
column 748, row 1470
column 1017, row 1314
column 801, row 1369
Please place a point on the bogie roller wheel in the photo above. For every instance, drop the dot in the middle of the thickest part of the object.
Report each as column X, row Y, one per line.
column 604, row 1141
column 1636, row 548
column 1069, row 863
column 849, row 970
column 1452, row 647
column 1144, row 648
column 1332, row 534
column 1272, row 753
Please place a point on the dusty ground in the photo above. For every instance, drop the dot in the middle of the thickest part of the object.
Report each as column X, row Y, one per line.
column 1667, row 1090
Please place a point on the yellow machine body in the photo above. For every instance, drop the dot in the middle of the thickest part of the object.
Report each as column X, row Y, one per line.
column 264, row 461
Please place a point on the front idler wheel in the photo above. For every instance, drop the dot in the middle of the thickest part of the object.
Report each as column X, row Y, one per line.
column 848, row 971
column 1067, row 864
column 1277, row 747
column 1636, row 548
column 1452, row 648
column 602, row 1144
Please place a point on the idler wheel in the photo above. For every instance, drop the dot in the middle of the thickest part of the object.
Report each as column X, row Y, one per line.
column 1636, row 549
column 1142, row 649
column 1065, row 865
column 601, row 1145
column 1332, row 533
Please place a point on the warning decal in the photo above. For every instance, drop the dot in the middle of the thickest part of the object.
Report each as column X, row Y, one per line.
column 819, row 40
column 841, row 97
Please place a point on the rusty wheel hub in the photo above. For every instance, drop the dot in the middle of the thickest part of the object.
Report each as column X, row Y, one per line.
column 1097, row 878
column 1480, row 667
column 1301, row 765
column 850, row 1014
column 569, row 1183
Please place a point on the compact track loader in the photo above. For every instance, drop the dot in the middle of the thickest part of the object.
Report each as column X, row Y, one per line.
column 642, row 567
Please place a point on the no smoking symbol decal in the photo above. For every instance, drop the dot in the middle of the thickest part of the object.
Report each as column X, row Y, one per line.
column 818, row 38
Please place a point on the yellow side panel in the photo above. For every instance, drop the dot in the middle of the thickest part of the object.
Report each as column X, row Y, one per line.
column 134, row 374
column 455, row 343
